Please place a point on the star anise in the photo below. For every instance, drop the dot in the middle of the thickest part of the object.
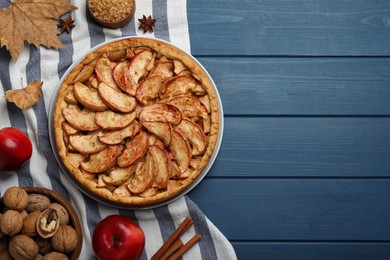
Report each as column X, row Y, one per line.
column 66, row 25
column 146, row 23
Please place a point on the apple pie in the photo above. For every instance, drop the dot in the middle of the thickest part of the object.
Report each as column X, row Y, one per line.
column 136, row 121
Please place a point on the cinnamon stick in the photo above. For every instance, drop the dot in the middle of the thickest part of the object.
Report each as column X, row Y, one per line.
column 171, row 240
column 178, row 244
column 185, row 247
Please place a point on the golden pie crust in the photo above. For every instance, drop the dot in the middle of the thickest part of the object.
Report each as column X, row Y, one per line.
column 136, row 122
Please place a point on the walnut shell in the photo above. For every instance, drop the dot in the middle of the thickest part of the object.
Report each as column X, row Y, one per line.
column 15, row 198
column 48, row 223
column 23, row 247
column 37, row 202
column 55, row 256
column 62, row 213
column 11, row 222
column 65, row 240
column 30, row 224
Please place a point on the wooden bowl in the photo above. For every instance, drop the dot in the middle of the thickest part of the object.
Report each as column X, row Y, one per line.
column 114, row 24
column 74, row 219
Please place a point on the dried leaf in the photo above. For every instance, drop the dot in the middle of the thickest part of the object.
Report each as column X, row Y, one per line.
column 26, row 97
column 32, row 21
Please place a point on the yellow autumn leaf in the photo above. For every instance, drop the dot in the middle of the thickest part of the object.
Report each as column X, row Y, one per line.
column 26, row 97
column 33, row 21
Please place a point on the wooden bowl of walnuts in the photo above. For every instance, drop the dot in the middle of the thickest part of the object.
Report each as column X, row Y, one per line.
column 38, row 223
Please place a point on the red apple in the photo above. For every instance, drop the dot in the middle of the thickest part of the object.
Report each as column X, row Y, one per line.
column 15, row 149
column 118, row 237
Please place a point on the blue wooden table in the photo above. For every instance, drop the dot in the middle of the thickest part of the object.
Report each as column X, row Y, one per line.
column 304, row 167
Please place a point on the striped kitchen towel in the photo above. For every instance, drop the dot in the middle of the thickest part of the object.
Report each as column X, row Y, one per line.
column 48, row 65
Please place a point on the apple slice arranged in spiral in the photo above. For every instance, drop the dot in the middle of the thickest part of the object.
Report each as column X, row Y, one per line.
column 103, row 160
column 80, row 119
column 195, row 135
column 118, row 175
column 181, row 150
column 163, row 166
column 116, row 137
column 89, row 97
column 159, row 112
column 164, row 69
column 135, row 150
column 189, row 106
column 159, row 129
column 87, row 144
column 113, row 121
column 144, row 176
column 103, row 70
column 127, row 75
column 116, row 100
column 180, row 85
column 84, row 74
column 149, row 89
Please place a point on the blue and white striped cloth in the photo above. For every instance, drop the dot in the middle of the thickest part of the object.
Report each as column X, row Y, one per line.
column 49, row 65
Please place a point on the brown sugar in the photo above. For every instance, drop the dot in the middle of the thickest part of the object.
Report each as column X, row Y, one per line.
column 111, row 10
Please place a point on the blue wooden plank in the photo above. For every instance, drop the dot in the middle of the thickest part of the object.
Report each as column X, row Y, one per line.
column 304, row 147
column 326, row 86
column 310, row 251
column 284, row 27
column 297, row 209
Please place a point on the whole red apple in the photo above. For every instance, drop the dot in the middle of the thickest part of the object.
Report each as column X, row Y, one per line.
column 15, row 149
column 118, row 237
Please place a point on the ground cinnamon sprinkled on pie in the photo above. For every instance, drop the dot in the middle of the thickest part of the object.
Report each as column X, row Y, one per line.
column 110, row 10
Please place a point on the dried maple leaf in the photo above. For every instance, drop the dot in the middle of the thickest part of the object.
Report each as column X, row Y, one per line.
column 26, row 97
column 34, row 21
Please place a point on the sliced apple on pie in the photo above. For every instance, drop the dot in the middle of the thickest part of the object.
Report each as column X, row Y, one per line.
column 163, row 166
column 89, row 97
column 180, row 85
column 159, row 129
column 160, row 113
column 143, row 176
column 135, row 150
column 86, row 144
column 103, row 71
column 118, row 175
column 103, row 160
column 116, row 100
column 80, row 119
column 112, row 120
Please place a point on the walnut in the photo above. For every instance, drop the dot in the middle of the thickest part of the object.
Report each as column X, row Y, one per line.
column 55, row 256
column 23, row 247
column 11, row 222
column 37, row 202
column 65, row 240
column 15, row 198
column 30, row 224
column 62, row 213
column 48, row 223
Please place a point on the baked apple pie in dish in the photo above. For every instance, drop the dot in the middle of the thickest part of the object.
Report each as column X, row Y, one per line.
column 136, row 123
